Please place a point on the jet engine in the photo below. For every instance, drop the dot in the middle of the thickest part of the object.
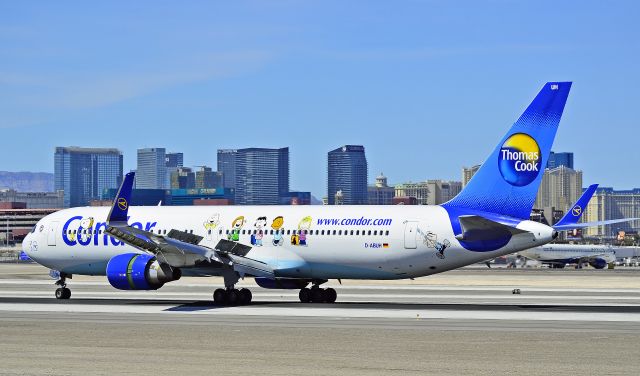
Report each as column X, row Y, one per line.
column 132, row 271
column 598, row 263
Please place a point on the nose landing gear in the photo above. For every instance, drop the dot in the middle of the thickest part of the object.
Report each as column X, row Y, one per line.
column 63, row 292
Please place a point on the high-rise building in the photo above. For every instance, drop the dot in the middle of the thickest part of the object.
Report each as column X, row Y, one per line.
column 380, row 193
column 430, row 192
column 560, row 159
column 174, row 160
column 467, row 174
column 85, row 173
column 262, row 175
column 560, row 188
column 227, row 166
column 152, row 170
column 183, row 178
column 207, row 178
column 347, row 172
column 444, row 190
column 607, row 204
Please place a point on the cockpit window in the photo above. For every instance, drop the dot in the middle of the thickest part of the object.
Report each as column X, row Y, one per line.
column 34, row 228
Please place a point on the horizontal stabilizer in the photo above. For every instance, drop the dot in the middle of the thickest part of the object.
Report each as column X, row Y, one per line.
column 592, row 224
column 477, row 228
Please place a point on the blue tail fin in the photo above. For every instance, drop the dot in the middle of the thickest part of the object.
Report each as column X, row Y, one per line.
column 120, row 206
column 507, row 183
column 573, row 216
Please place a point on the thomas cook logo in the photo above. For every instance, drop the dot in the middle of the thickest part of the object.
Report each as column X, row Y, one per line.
column 519, row 159
column 122, row 204
column 577, row 210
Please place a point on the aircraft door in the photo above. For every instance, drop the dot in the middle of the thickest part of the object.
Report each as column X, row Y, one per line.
column 410, row 229
column 51, row 236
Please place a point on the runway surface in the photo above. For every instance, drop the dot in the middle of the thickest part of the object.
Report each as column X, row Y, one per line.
column 466, row 321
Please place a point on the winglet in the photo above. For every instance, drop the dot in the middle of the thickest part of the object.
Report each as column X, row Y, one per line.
column 120, row 206
column 573, row 216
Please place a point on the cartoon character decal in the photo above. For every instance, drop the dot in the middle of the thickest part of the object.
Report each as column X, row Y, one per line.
column 212, row 223
column 236, row 227
column 84, row 231
column 303, row 228
column 430, row 239
column 256, row 239
column 212, row 227
column 277, row 224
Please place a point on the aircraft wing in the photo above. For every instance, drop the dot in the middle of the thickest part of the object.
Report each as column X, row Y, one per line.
column 178, row 246
column 477, row 228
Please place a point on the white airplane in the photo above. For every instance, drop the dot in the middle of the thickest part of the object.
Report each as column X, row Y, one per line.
column 292, row 247
column 559, row 255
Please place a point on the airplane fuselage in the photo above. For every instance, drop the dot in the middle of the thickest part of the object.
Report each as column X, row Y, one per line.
column 570, row 253
column 320, row 242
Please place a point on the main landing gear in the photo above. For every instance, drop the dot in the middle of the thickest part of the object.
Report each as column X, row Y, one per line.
column 316, row 294
column 63, row 292
column 232, row 296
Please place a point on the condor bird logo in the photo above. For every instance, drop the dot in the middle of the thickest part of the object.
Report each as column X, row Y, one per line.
column 519, row 159
column 577, row 210
column 122, row 204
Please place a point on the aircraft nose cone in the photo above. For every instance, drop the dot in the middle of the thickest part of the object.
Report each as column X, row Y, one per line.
column 26, row 244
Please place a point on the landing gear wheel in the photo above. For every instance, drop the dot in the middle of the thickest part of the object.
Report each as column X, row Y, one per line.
column 220, row 296
column 305, row 295
column 330, row 295
column 245, row 296
column 317, row 295
column 63, row 293
column 233, row 297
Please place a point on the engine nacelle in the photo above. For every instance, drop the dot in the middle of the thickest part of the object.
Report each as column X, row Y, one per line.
column 133, row 271
column 282, row 283
column 598, row 263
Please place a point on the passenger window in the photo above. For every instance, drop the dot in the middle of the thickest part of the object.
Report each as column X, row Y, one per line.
column 288, row 232
column 243, row 232
column 334, row 232
column 387, row 233
column 322, row 233
column 369, row 232
column 340, row 232
column 357, row 232
column 220, row 232
column 351, row 232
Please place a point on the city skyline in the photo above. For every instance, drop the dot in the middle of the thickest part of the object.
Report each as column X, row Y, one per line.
column 319, row 193
column 411, row 83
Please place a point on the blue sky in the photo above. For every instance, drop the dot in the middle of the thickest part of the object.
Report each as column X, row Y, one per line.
column 426, row 86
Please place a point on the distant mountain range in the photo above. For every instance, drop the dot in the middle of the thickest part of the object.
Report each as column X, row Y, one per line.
column 27, row 181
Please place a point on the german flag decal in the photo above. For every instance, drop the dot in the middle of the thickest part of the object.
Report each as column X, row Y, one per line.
column 385, row 245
